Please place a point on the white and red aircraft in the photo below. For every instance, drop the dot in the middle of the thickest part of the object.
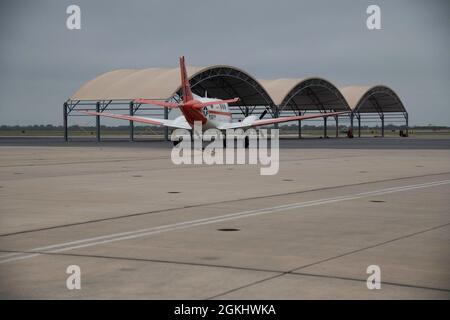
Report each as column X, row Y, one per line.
column 212, row 113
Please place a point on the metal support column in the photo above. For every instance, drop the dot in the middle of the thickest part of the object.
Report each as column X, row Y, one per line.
column 382, row 125
column 337, row 126
column 407, row 123
column 351, row 120
column 166, row 129
column 277, row 115
column 324, row 127
column 131, row 122
column 97, row 122
column 359, row 125
column 299, row 129
column 66, row 131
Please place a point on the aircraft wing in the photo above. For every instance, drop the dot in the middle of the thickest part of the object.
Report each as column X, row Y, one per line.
column 155, row 121
column 263, row 122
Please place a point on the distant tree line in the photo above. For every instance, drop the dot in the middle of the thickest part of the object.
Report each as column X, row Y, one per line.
column 50, row 127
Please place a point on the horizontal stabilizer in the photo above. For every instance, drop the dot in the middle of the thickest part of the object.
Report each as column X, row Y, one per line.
column 210, row 103
column 157, row 103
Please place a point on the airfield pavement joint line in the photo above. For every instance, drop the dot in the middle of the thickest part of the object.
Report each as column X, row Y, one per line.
column 128, row 235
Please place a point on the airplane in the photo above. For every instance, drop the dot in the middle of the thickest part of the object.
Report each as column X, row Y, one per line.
column 212, row 113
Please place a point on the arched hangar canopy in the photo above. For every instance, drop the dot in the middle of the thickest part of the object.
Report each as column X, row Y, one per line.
column 376, row 99
column 305, row 94
column 220, row 81
column 164, row 83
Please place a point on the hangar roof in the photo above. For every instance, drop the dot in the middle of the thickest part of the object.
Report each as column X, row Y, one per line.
column 305, row 94
column 224, row 82
column 366, row 99
column 129, row 84
column 279, row 88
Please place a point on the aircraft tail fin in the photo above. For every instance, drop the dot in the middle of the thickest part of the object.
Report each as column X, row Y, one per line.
column 187, row 93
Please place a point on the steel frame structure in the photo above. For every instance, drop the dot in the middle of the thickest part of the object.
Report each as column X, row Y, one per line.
column 307, row 87
column 217, row 76
column 379, row 113
column 256, row 101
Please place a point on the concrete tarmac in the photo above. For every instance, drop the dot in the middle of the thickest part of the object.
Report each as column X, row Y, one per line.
column 140, row 227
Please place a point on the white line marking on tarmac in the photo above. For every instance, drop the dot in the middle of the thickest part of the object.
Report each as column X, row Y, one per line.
column 66, row 246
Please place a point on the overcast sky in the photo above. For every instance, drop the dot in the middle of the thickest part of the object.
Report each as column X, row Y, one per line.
column 42, row 62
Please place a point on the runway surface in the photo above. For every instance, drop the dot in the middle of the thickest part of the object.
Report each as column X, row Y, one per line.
column 141, row 227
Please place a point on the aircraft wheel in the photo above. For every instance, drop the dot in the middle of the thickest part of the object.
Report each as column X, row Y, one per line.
column 175, row 143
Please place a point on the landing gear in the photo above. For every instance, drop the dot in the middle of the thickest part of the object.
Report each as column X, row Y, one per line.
column 177, row 142
column 246, row 142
